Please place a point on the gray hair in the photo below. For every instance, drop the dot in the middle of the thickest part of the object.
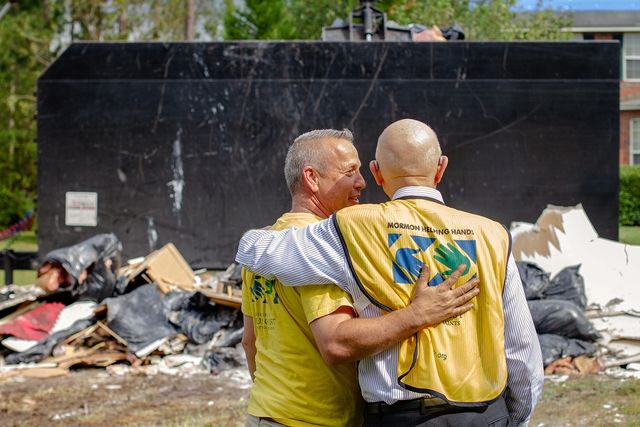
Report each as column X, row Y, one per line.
column 307, row 151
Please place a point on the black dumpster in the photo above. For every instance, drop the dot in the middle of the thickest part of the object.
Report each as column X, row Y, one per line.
column 185, row 142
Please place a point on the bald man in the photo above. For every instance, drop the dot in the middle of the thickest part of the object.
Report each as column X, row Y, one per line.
column 480, row 368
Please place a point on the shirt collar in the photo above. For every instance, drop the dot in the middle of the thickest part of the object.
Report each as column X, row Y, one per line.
column 415, row 190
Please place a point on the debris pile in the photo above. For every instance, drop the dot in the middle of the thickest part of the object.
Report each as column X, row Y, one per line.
column 152, row 315
column 557, row 308
column 592, row 303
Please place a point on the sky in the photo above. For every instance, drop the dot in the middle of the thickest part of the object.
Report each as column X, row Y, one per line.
column 575, row 5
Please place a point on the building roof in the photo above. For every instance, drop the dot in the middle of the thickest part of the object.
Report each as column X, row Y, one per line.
column 613, row 20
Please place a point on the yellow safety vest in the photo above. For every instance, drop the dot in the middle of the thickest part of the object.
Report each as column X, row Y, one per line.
column 461, row 360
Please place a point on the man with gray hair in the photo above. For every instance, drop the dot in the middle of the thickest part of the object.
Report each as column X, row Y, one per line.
column 303, row 365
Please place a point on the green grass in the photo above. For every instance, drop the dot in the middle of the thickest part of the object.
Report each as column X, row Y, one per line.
column 20, row 277
column 594, row 400
column 629, row 235
column 25, row 241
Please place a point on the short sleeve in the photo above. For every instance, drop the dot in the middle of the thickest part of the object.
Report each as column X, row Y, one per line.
column 247, row 304
column 321, row 300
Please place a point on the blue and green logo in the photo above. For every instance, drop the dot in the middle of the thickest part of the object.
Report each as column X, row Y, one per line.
column 447, row 256
column 263, row 290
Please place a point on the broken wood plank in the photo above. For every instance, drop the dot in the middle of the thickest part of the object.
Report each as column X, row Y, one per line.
column 222, row 299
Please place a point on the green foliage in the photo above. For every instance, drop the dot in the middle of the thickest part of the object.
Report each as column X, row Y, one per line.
column 138, row 20
column 34, row 32
column 282, row 19
column 630, row 235
column 630, row 195
column 25, row 35
column 481, row 19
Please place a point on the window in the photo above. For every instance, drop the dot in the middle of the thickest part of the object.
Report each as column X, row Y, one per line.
column 634, row 142
column 631, row 48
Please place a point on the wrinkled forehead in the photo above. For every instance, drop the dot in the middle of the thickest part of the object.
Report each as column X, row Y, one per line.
column 341, row 153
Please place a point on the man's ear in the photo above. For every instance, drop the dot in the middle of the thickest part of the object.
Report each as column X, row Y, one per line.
column 310, row 179
column 375, row 171
column 442, row 165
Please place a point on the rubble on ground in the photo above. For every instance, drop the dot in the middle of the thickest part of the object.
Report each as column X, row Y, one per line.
column 591, row 305
column 154, row 315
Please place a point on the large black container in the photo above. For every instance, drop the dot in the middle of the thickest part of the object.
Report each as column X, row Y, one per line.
column 185, row 142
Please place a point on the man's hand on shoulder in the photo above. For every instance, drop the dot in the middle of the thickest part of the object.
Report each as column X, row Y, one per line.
column 434, row 304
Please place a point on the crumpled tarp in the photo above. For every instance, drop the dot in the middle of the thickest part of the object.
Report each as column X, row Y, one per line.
column 64, row 326
column 556, row 347
column 561, row 318
column 195, row 316
column 90, row 255
column 34, row 324
column 534, row 280
column 45, row 347
column 139, row 317
column 145, row 315
column 568, row 285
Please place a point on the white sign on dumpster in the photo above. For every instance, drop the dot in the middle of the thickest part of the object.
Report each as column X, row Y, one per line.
column 81, row 208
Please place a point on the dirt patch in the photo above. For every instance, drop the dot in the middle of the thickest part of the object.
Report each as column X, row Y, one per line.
column 594, row 400
column 91, row 397
column 95, row 398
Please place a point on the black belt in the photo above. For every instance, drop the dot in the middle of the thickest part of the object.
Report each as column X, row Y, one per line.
column 423, row 404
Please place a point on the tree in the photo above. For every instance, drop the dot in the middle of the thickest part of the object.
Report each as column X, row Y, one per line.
column 282, row 19
column 25, row 36
column 32, row 35
column 481, row 19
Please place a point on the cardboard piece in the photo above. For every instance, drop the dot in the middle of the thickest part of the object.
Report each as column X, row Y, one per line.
column 165, row 267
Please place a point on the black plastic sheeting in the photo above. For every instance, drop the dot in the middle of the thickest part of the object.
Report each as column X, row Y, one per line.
column 145, row 315
column 561, row 318
column 195, row 316
column 139, row 317
column 90, row 255
column 557, row 308
column 45, row 347
column 556, row 347
column 222, row 358
column 534, row 280
column 568, row 285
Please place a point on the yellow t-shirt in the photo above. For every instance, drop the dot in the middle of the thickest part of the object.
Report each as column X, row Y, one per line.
column 293, row 385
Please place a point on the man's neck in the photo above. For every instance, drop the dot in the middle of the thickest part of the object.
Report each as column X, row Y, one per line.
column 394, row 185
column 303, row 204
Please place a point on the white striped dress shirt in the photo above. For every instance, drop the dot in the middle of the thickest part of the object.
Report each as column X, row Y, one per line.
column 314, row 255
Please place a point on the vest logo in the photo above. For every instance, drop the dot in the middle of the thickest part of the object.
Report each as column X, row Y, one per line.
column 263, row 290
column 447, row 256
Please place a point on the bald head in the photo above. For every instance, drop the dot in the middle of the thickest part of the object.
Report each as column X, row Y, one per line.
column 408, row 150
